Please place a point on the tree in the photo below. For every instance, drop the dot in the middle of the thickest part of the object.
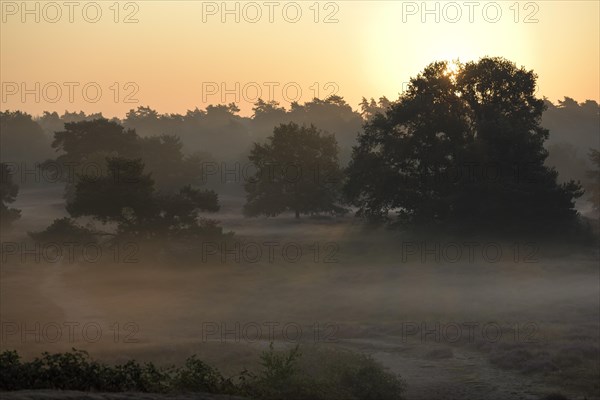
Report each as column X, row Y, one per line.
column 370, row 108
column 402, row 158
column 267, row 111
column 81, row 139
column 84, row 147
column 429, row 157
column 144, row 120
column 8, row 194
column 50, row 123
column 87, row 144
column 267, row 115
column 22, row 140
column 296, row 170
column 218, row 130
column 507, row 117
column 123, row 195
column 126, row 197
column 333, row 115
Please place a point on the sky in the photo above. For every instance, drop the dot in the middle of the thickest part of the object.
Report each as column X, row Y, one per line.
column 110, row 57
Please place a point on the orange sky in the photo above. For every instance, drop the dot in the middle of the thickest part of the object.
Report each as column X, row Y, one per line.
column 177, row 55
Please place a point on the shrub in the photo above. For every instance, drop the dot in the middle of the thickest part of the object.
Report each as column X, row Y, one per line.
column 10, row 370
column 321, row 374
column 197, row 376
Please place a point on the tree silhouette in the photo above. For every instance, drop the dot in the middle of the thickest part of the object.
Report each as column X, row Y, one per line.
column 296, row 170
column 370, row 108
column 463, row 148
column 80, row 139
column 22, row 140
column 86, row 143
column 126, row 196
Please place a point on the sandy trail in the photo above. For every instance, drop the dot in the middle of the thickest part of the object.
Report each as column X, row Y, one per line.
column 466, row 374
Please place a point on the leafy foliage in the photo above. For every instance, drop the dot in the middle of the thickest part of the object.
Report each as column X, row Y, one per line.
column 197, row 376
column 321, row 374
column 76, row 371
column 284, row 375
column 297, row 170
column 87, row 144
column 22, row 140
column 122, row 196
column 428, row 159
column 127, row 197
column 81, row 139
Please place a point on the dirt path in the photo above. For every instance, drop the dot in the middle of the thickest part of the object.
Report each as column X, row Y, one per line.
column 461, row 374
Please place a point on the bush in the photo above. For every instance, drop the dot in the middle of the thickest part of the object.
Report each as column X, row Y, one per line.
column 197, row 376
column 371, row 382
column 278, row 378
column 10, row 370
column 320, row 374
column 132, row 376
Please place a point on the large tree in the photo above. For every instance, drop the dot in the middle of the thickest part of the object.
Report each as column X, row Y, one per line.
column 296, row 170
column 79, row 140
column 461, row 147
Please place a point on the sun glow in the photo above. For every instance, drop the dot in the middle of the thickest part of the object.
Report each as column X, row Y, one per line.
column 452, row 67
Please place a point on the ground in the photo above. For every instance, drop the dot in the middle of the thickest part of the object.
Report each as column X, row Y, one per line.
column 366, row 297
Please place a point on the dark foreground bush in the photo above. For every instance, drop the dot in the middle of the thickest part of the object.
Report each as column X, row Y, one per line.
column 318, row 374
column 76, row 371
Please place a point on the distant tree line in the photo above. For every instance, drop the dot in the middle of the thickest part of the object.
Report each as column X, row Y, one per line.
column 222, row 132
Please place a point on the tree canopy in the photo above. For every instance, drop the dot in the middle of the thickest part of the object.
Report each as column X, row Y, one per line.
column 22, row 140
column 126, row 196
column 296, row 170
column 462, row 148
column 85, row 143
